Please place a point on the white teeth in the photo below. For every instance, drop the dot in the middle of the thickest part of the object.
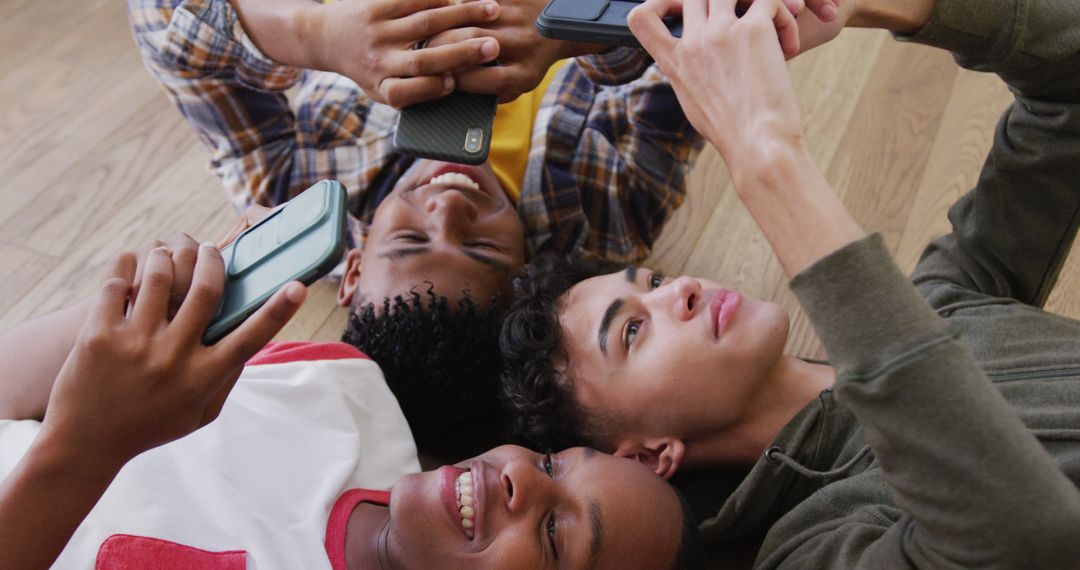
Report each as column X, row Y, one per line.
column 465, row 502
column 455, row 178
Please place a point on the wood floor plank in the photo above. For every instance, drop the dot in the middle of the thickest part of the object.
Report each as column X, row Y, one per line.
column 183, row 197
column 959, row 150
column 113, row 170
column 22, row 269
column 321, row 301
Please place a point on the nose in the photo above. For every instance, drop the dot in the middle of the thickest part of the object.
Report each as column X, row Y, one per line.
column 451, row 207
column 678, row 297
column 524, row 486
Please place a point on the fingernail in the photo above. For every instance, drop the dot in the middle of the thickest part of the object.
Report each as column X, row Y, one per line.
column 828, row 12
column 489, row 48
column 294, row 293
column 491, row 9
column 448, row 83
column 163, row 250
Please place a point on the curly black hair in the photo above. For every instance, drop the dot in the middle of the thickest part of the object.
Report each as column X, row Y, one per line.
column 535, row 388
column 443, row 366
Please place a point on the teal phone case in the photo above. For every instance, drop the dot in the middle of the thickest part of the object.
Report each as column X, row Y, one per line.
column 301, row 241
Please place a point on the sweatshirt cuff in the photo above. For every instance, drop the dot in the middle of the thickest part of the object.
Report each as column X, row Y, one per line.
column 863, row 308
column 615, row 66
column 206, row 36
column 977, row 32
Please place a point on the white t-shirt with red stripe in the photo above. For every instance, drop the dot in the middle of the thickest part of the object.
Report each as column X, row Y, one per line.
column 305, row 423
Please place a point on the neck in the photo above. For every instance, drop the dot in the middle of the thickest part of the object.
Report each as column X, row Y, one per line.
column 792, row 385
column 364, row 537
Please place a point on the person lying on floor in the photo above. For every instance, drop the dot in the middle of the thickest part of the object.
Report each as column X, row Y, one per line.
column 945, row 430
column 284, row 450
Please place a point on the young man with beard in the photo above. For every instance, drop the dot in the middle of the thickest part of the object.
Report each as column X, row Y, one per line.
column 944, row 431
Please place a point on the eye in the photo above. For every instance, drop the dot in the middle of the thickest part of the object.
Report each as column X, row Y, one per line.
column 483, row 245
column 551, row 535
column 545, row 463
column 630, row 332
column 411, row 237
column 656, row 279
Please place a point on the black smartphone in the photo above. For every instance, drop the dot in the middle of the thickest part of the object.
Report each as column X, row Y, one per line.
column 454, row 128
column 593, row 21
column 300, row 241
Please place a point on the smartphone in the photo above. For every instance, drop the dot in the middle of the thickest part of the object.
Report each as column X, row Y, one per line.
column 300, row 241
column 594, row 21
column 453, row 128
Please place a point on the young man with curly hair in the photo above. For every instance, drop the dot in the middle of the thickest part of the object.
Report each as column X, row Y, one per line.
column 591, row 155
column 945, row 430
column 127, row 443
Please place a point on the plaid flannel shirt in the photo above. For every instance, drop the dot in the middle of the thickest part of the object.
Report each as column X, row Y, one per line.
column 610, row 147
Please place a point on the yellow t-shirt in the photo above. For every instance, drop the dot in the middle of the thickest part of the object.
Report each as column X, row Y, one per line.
column 511, row 135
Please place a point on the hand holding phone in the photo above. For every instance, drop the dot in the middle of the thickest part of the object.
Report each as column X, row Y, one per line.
column 300, row 241
column 594, row 21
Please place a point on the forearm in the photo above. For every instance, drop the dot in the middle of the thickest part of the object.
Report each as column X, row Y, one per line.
column 287, row 31
column 901, row 16
column 33, row 353
column 792, row 204
column 45, row 499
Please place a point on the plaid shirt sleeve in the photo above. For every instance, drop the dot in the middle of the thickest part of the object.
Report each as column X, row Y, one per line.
column 615, row 66
column 608, row 164
column 265, row 148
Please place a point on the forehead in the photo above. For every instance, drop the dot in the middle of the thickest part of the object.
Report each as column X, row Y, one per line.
column 641, row 515
column 449, row 273
column 584, row 305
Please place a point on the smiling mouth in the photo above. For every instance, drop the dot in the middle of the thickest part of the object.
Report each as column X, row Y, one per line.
column 456, row 179
column 466, row 502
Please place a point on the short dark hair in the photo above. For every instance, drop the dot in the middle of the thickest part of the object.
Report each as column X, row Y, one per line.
column 443, row 366
column 537, row 391
column 691, row 553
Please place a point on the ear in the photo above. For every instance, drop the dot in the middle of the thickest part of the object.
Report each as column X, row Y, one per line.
column 661, row 454
column 347, row 287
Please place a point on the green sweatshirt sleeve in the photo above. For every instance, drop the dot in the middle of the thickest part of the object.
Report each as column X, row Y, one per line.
column 1012, row 233
column 975, row 487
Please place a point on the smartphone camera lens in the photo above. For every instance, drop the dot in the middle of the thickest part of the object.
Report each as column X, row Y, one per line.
column 474, row 140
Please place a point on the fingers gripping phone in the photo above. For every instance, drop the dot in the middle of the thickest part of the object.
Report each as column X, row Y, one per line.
column 301, row 241
column 594, row 21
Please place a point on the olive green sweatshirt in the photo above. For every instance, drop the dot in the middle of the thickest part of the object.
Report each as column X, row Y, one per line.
column 952, row 436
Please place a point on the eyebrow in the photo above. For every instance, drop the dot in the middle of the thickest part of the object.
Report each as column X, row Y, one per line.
column 402, row 253
column 605, row 324
column 596, row 523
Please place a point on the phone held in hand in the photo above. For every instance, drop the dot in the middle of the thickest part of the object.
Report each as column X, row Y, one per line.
column 301, row 241
column 593, row 21
column 453, row 128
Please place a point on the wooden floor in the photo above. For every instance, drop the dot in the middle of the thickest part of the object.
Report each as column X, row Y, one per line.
column 93, row 159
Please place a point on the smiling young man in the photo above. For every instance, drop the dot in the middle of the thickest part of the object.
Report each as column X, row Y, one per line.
column 946, row 431
column 126, row 443
column 591, row 156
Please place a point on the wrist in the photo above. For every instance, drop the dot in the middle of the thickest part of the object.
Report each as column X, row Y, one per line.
column 305, row 27
column 54, row 456
column 901, row 16
column 769, row 166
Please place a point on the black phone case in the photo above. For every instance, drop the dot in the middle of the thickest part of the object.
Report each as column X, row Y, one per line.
column 593, row 21
column 447, row 128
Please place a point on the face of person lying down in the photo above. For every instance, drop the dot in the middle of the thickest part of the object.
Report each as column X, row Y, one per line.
column 514, row 508
column 448, row 225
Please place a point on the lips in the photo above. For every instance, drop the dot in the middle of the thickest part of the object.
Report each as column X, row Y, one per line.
column 722, row 306
column 471, row 172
